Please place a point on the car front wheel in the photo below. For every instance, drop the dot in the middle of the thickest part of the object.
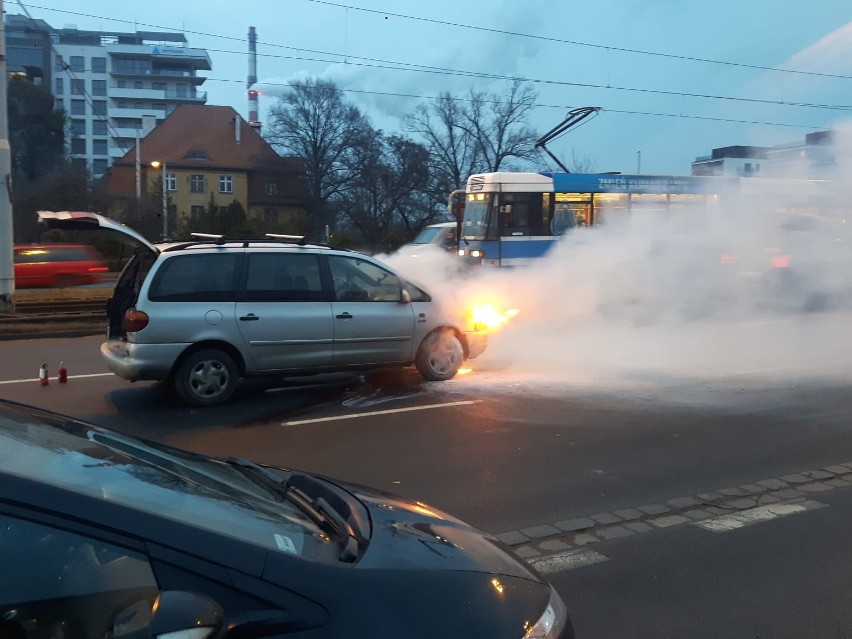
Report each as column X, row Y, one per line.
column 439, row 356
column 206, row 378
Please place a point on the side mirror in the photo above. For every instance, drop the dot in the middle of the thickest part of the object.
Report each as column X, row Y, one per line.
column 405, row 297
column 185, row 615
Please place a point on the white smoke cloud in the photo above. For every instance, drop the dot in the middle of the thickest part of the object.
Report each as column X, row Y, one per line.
column 738, row 291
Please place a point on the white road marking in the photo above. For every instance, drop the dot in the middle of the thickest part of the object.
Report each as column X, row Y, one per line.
column 373, row 413
column 727, row 523
column 568, row 560
column 53, row 379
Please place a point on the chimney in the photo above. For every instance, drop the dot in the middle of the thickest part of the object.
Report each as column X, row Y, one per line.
column 253, row 118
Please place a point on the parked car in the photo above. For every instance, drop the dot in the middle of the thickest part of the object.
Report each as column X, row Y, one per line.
column 204, row 313
column 106, row 535
column 435, row 237
column 57, row 265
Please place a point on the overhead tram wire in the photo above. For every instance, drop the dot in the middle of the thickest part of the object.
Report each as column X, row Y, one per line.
column 408, row 96
column 582, row 85
column 518, row 34
column 400, row 66
column 404, row 66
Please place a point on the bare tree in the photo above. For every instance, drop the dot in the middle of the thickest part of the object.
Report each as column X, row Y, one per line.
column 498, row 124
column 314, row 122
column 484, row 132
column 390, row 190
column 453, row 151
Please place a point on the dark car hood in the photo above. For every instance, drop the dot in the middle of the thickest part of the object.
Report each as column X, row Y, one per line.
column 414, row 535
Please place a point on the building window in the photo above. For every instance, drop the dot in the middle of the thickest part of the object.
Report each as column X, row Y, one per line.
column 196, row 183
column 78, row 87
column 138, row 85
column 196, row 213
column 226, row 184
column 99, row 87
column 99, row 147
column 99, row 107
column 271, row 188
column 78, row 127
column 171, row 181
column 121, row 84
column 98, row 65
column 182, row 90
column 78, row 63
column 78, row 146
column 99, row 166
column 58, row 63
column 78, row 107
column 158, row 86
column 60, row 86
column 99, row 127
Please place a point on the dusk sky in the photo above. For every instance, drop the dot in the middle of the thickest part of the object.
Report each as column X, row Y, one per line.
column 674, row 79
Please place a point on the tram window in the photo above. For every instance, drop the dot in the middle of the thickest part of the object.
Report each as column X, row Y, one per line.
column 515, row 211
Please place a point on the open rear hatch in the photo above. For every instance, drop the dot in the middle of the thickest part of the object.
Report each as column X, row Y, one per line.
column 130, row 280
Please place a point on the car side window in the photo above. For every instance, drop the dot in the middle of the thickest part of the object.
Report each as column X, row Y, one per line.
column 357, row 280
column 61, row 584
column 203, row 277
column 280, row 276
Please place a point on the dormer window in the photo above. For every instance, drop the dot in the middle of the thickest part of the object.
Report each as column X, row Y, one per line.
column 271, row 188
column 196, row 154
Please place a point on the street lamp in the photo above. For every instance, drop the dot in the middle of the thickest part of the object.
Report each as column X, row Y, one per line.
column 157, row 164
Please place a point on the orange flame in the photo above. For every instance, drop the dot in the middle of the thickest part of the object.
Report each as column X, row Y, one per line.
column 488, row 317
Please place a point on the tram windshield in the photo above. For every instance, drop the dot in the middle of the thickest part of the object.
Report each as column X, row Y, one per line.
column 477, row 223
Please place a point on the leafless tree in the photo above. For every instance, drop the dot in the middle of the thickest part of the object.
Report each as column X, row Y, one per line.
column 390, row 191
column 452, row 150
column 482, row 132
column 498, row 124
column 314, row 122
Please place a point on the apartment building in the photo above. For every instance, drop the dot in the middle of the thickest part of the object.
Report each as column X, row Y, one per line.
column 113, row 85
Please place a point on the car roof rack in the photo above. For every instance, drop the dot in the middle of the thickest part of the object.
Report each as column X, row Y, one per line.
column 201, row 239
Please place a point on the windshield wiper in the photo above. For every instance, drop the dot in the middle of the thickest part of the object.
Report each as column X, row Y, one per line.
column 319, row 511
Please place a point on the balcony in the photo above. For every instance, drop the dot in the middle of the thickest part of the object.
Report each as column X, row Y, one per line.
column 134, row 113
column 170, row 94
column 197, row 58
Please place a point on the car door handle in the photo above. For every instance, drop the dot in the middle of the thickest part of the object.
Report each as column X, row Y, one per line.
column 251, row 317
column 344, row 316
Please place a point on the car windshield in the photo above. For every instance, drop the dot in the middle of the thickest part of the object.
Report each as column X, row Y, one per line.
column 159, row 480
column 427, row 235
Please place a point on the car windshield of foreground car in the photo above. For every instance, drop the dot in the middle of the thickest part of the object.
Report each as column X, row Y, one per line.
column 166, row 482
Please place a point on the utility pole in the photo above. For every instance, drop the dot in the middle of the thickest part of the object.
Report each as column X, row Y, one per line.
column 7, row 269
column 638, row 162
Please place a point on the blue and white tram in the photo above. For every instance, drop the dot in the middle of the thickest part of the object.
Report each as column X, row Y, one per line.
column 511, row 219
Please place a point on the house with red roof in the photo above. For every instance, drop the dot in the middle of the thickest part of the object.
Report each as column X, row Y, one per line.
column 209, row 155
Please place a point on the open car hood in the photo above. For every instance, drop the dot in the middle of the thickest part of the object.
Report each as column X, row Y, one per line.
column 84, row 221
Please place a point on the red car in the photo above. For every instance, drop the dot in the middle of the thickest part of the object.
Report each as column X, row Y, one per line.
column 57, row 265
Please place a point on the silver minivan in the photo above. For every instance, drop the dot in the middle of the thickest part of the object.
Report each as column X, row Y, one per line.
column 203, row 313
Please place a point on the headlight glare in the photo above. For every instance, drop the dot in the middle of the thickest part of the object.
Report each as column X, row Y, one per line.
column 552, row 620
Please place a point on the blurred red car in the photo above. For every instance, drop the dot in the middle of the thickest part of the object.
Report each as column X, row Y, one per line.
column 57, row 265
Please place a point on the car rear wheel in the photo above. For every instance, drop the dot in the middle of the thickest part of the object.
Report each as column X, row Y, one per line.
column 439, row 356
column 206, row 378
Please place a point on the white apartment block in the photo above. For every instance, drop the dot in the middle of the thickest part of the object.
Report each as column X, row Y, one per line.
column 113, row 86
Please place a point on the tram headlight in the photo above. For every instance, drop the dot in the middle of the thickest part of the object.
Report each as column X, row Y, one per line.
column 477, row 253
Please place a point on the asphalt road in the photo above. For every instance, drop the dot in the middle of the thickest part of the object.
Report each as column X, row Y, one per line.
column 660, row 503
